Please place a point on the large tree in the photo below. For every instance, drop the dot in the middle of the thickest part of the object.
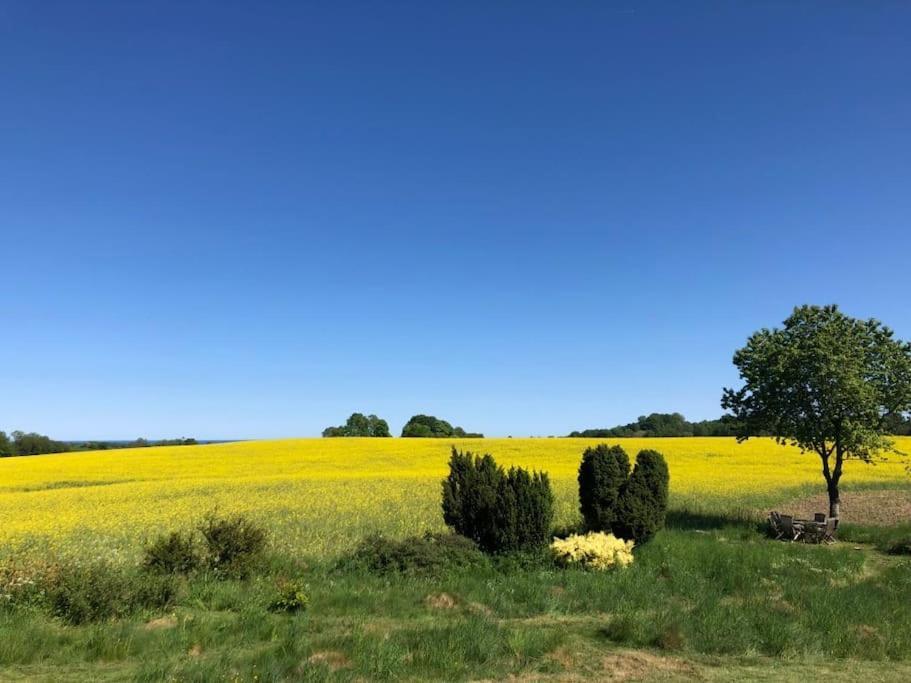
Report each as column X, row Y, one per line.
column 360, row 425
column 824, row 382
column 429, row 426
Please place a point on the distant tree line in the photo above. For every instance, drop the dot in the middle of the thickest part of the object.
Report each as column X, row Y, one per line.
column 360, row 425
column 31, row 443
column 136, row 443
column 22, row 443
column 665, row 424
column 422, row 426
column 428, row 426
column 675, row 424
column 898, row 425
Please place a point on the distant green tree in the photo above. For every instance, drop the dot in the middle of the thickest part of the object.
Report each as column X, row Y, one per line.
column 428, row 426
column 378, row 427
column 360, row 425
column 6, row 447
column 30, row 443
column 825, row 382
column 357, row 425
column 664, row 424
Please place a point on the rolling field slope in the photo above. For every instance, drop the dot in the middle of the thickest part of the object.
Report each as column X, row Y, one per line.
column 320, row 496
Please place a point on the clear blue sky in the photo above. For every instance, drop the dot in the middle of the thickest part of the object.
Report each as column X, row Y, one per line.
column 251, row 219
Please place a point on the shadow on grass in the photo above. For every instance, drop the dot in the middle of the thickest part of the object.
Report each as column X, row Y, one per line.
column 688, row 520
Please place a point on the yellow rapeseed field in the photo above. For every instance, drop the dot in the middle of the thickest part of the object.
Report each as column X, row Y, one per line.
column 319, row 496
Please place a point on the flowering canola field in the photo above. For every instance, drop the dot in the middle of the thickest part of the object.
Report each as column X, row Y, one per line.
column 320, row 496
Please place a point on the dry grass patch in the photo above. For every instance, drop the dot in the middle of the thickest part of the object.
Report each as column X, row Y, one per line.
column 169, row 621
column 641, row 666
column 875, row 508
column 333, row 659
column 441, row 601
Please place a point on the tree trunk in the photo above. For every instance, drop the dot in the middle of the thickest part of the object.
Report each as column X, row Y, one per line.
column 834, row 502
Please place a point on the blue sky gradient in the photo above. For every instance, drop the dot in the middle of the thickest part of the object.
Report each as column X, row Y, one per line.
column 243, row 220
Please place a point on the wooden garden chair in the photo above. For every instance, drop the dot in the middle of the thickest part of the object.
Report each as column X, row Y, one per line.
column 788, row 529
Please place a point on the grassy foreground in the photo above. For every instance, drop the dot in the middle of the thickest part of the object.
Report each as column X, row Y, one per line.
column 698, row 603
column 710, row 598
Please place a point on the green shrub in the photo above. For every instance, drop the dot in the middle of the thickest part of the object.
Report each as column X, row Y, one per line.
column 602, row 475
column 470, row 496
column 500, row 511
column 152, row 592
column 429, row 554
column 900, row 548
column 291, row 597
column 98, row 592
column 234, row 545
column 174, row 553
column 643, row 501
column 524, row 511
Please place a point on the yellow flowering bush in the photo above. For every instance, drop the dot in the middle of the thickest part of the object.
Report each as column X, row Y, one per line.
column 597, row 551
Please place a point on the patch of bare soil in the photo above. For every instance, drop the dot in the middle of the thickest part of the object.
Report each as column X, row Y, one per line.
column 877, row 508
column 333, row 659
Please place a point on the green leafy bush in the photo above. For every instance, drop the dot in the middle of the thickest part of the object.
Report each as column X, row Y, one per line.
column 429, row 554
column 234, row 545
column 98, row 592
column 291, row 597
column 642, row 507
column 500, row 511
column 602, row 475
column 174, row 553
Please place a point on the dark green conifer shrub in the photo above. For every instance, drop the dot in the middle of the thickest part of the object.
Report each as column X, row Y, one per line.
column 602, row 475
column 524, row 511
column 470, row 497
column 499, row 511
column 643, row 501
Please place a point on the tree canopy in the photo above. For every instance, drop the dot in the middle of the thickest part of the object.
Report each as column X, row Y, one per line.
column 360, row 425
column 664, row 424
column 32, row 443
column 824, row 382
column 428, row 426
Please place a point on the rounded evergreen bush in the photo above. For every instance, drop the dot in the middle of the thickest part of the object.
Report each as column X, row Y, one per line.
column 470, row 496
column 602, row 475
column 500, row 511
column 524, row 511
column 642, row 507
